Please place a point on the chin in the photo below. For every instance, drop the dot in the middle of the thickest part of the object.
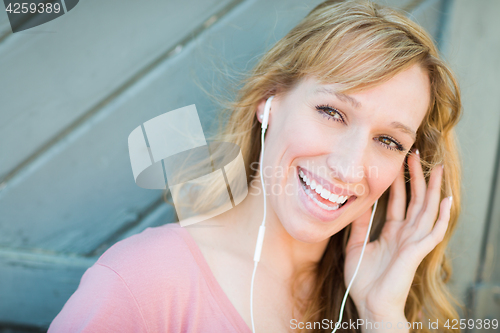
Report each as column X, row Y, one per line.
column 305, row 231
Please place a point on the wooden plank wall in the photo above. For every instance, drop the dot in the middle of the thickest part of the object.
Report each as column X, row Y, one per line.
column 73, row 89
column 473, row 49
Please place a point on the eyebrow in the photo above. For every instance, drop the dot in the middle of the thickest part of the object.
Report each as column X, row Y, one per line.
column 355, row 103
column 404, row 128
column 343, row 97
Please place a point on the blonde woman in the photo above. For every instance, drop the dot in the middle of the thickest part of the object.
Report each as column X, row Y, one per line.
column 362, row 103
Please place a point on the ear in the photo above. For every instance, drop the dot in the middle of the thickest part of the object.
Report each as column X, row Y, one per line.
column 260, row 110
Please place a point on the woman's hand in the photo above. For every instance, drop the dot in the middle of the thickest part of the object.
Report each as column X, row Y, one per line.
column 385, row 275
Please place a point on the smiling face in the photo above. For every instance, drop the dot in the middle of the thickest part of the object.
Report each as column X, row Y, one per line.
column 347, row 147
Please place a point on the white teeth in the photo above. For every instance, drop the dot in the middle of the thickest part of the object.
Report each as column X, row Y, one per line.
column 323, row 192
column 333, row 197
column 322, row 205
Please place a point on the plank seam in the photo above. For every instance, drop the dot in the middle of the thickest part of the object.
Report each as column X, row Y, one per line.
column 45, row 257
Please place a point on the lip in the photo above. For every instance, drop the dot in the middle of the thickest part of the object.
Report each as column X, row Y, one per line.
column 326, row 184
column 312, row 208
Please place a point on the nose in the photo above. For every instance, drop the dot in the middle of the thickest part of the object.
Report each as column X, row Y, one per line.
column 347, row 157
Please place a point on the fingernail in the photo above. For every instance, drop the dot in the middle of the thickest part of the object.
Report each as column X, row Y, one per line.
column 442, row 166
column 417, row 152
column 451, row 200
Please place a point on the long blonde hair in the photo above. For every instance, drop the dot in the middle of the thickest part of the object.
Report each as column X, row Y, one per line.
column 359, row 44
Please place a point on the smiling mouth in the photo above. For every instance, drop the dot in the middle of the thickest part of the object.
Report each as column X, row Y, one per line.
column 321, row 196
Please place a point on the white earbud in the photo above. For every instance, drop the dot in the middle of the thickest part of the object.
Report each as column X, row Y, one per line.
column 267, row 109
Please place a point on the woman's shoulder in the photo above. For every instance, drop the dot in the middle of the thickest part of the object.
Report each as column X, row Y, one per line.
column 153, row 252
column 154, row 281
column 149, row 282
column 159, row 268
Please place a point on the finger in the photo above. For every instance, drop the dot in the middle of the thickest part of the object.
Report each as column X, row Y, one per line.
column 418, row 187
column 431, row 203
column 397, row 198
column 359, row 228
column 439, row 231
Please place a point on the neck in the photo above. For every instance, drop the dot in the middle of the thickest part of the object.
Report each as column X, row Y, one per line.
column 282, row 255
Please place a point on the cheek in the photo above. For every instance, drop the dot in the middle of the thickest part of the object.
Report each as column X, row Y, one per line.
column 296, row 134
column 382, row 175
column 307, row 137
column 292, row 140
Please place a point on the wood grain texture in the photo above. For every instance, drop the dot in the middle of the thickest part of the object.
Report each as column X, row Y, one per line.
column 54, row 73
column 34, row 286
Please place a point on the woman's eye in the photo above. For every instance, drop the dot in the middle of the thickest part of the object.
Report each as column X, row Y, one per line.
column 334, row 114
column 330, row 113
column 390, row 143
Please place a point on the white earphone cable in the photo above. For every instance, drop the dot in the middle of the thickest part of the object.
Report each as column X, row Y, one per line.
column 339, row 322
column 260, row 238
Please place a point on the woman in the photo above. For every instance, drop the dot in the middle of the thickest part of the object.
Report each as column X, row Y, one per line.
column 361, row 102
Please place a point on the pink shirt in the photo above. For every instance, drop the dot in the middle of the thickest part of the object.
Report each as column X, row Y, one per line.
column 155, row 281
